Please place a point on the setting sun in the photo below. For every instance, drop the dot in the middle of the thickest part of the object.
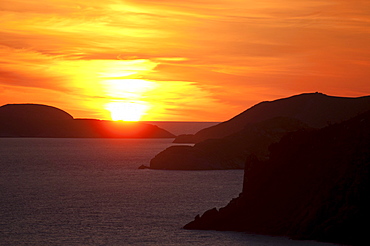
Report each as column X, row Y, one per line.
column 127, row 111
column 172, row 58
column 129, row 104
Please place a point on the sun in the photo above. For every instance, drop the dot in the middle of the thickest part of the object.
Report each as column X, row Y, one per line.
column 127, row 111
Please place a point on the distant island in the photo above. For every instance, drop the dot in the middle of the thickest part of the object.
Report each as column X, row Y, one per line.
column 229, row 144
column 36, row 120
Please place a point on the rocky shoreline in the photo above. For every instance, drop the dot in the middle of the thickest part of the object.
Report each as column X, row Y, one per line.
column 314, row 186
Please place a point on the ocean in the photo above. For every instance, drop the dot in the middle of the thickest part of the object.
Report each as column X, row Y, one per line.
column 91, row 192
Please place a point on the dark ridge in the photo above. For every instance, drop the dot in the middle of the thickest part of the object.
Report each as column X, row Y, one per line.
column 314, row 109
column 228, row 144
column 229, row 152
column 315, row 186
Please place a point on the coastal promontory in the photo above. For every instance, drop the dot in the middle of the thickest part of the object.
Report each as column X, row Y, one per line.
column 229, row 152
column 314, row 186
column 314, row 109
column 227, row 145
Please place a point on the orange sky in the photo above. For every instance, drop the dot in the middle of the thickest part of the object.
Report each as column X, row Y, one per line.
column 192, row 60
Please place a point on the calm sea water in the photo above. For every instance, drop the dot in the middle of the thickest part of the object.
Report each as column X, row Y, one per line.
column 90, row 192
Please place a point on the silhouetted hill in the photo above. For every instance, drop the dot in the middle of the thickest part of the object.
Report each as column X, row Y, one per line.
column 315, row 186
column 35, row 120
column 229, row 152
column 314, row 109
column 28, row 120
column 32, row 112
column 228, row 144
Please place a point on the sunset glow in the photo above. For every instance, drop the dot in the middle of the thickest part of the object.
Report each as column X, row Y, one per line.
column 126, row 111
column 183, row 60
column 131, row 106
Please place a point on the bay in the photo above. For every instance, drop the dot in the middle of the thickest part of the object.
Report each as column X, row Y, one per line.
column 91, row 192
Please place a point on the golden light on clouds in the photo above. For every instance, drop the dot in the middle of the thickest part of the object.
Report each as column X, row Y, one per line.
column 129, row 89
column 179, row 60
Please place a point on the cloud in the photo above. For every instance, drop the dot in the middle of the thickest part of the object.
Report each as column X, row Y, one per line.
column 203, row 54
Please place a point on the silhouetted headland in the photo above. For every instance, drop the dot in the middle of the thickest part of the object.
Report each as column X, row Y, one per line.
column 227, row 145
column 229, row 152
column 314, row 109
column 35, row 120
column 314, row 186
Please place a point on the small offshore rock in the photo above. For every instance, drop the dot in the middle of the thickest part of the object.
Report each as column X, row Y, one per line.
column 143, row 167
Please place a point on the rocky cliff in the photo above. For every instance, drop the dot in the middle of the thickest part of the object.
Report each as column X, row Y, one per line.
column 314, row 186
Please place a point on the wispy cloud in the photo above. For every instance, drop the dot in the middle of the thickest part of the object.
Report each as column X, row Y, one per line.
column 204, row 56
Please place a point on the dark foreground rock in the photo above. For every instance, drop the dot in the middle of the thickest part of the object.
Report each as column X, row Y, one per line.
column 315, row 186
column 35, row 120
